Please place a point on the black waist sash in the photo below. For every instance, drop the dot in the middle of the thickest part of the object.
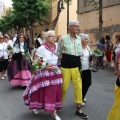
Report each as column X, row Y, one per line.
column 70, row 61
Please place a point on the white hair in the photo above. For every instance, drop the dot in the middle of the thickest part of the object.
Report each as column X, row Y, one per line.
column 49, row 33
column 83, row 36
column 72, row 22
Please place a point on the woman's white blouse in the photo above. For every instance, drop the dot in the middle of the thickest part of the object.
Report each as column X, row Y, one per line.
column 3, row 50
column 16, row 48
column 85, row 58
column 51, row 58
column 117, row 48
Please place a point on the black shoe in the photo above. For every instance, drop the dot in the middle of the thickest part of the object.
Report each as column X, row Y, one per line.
column 82, row 115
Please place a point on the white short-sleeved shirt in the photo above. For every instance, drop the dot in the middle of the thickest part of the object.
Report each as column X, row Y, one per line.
column 3, row 50
column 51, row 58
column 10, row 43
column 85, row 58
column 117, row 48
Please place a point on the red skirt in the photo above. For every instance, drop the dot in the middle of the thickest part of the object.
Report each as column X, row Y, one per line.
column 108, row 56
column 44, row 91
column 48, row 98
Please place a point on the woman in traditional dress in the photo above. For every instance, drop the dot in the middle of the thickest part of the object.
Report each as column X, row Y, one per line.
column 44, row 91
column 19, row 69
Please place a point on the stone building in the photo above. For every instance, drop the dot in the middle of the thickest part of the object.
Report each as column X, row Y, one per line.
column 89, row 18
column 61, row 27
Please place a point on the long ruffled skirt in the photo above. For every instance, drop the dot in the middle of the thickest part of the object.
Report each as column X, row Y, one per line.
column 44, row 91
column 19, row 72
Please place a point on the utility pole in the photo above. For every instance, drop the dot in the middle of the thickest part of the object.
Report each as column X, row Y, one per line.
column 100, row 18
column 67, row 15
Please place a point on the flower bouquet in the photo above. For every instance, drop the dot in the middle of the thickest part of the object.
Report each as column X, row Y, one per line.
column 9, row 50
column 39, row 63
column 96, row 52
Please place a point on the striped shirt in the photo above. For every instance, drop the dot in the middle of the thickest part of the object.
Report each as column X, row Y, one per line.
column 69, row 46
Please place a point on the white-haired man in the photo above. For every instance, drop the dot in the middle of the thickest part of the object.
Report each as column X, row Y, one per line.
column 70, row 50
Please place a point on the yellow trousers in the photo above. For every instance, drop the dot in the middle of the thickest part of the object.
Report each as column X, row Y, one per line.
column 114, row 113
column 74, row 75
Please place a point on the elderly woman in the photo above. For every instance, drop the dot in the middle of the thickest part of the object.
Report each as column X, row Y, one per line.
column 44, row 91
column 86, row 73
column 3, row 54
column 19, row 69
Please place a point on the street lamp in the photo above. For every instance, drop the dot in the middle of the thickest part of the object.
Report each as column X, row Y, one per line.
column 62, row 5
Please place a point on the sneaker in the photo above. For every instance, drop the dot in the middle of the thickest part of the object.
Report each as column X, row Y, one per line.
column 2, row 78
column 60, row 110
column 85, row 100
column 83, row 104
column 102, row 67
column 36, row 111
column 56, row 117
column 82, row 115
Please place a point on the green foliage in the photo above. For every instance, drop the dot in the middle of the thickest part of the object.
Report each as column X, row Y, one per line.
column 97, row 52
column 31, row 11
column 24, row 14
column 5, row 22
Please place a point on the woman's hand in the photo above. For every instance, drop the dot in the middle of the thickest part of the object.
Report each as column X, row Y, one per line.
column 49, row 67
column 10, row 56
column 60, row 57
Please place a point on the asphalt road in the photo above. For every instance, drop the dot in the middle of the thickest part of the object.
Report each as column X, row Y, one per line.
column 99, row 100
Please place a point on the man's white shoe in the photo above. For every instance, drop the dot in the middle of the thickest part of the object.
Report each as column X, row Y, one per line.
column 36, row 111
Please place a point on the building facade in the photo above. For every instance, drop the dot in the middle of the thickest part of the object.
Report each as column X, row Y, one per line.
column 89, row 18
column 61, row 27
column 1, row 7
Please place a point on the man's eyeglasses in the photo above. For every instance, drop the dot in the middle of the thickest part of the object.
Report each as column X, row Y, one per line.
column 52, row 36
column 76, row 26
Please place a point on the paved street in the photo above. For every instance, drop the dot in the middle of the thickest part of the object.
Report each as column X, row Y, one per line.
column 99, row 100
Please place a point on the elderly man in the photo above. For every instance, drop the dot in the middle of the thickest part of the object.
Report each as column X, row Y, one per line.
column 70, row 50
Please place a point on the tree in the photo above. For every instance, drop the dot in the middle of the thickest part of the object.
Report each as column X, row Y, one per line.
column 94, row 5
column 100, row 19
column 6, row 22
column 30, row 12
column 59, row 8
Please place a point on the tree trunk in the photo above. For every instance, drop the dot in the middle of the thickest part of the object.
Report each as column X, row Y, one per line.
column 100, row 19
column 54, row 22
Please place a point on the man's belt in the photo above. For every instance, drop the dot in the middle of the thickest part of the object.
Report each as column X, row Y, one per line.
column 70, row 61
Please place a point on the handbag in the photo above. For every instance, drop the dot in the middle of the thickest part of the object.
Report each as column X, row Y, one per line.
column 2, row 58
column 92, row 63
column 114, row 55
